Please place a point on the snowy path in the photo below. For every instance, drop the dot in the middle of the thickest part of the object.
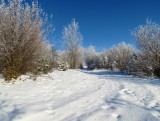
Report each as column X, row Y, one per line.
column 77, row 95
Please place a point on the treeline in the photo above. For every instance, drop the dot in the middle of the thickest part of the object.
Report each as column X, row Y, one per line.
column 143, row 61
column 24, row 49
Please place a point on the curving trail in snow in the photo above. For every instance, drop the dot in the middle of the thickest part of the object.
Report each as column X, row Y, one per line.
column 76, row 95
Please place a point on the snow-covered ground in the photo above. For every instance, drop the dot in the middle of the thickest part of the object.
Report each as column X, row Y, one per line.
column 76, row 95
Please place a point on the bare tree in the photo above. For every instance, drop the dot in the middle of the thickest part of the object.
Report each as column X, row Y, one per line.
column 72, row 43
column 22, row 31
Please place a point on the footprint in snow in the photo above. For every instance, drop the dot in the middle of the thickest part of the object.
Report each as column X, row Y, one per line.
column 154, row 104
column 104, row 107
column 59, row 91
column 59, row 80
column 49, row 111
column 51, row 94
column 45, row 87
column 50, row 106
column 128, row 92
column 156, row 114
column 54, row 87
column 33, row 95
column 54, row 82
column 16, row 97
column 112, row 108
column 117, row 116
column 47, row 99
column 121, row 87
column 109, row 108
column 146, row 99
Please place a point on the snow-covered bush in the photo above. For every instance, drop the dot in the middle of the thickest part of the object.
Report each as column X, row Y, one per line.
column 63, row 66
column 118, row 56
column 22, row 31
column 94, row 60
column 63, row 57
column 89, row 57
column 138, row 65
column 47, row 59
column 148, row 41
column 114, row 58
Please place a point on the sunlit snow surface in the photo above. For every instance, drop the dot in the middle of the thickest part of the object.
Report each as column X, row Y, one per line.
column 76, row 95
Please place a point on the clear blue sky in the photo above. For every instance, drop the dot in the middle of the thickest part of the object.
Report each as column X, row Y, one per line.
column 103, row 23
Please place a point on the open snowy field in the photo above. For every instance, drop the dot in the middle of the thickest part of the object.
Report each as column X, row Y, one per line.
column 76, row 95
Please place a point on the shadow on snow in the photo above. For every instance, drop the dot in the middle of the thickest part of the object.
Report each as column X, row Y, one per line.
column 10, row 113
column 123, row 77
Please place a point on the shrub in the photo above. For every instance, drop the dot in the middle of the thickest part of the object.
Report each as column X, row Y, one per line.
column 22, row 31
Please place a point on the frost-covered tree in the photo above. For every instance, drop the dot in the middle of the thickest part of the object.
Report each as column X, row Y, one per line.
column 119, row 55
column 124, row 52
column 148, row 42
column 72, row 43
column 94, row 59
column 139, row 65
column 90, row 57
column 47, row 59
column 89, row 52
column 23, row 27
column 114, row 58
